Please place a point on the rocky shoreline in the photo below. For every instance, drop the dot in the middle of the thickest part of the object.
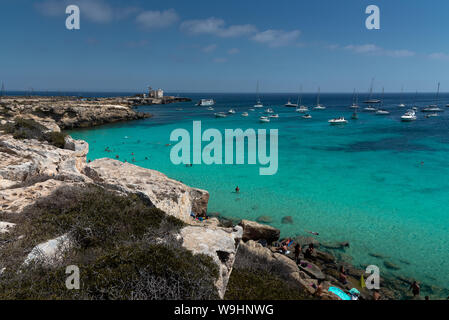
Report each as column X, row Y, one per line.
column 34, row 169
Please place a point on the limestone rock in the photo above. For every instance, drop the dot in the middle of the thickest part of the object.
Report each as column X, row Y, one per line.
column 50, row 251
column 6, row 226
column 219, row 243
column 171, row 196
column 256, row 231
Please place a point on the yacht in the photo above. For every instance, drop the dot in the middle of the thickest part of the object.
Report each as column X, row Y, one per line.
column 409, row 116
column 231, row 111
column 264, row 119
column 206, row 102
column 340, row 120
column 220, row 115
column 382, row 112
column 318, row 105
column 269, row 110
column 370, row 108
column 355, row 99
column 302, row 109
column 258, row 102
column 274, row 115
column 401, row 105
column 306, row 116
column 434, row 107
column 290, row 104
column 431, row 115
column 244, row 114
column 370, row 99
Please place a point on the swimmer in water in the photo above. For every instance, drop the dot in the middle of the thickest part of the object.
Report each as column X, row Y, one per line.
column 237, row 189
column 314, row 233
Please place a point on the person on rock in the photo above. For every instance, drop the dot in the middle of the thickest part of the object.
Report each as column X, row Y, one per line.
column 298, row 251
column 309, row 251
column 415, row 288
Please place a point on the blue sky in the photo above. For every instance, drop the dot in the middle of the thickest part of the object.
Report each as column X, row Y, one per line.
column 224, row 46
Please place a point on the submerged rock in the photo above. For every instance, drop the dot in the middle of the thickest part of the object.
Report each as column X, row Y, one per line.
column 287, row 220
column 256, row 231
column 391, row 265
column 264, row 219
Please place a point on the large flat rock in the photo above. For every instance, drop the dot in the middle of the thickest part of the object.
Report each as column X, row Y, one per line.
column 171, row 196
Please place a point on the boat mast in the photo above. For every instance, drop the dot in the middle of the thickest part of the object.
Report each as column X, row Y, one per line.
column 299, row 96
column 371, row 89
column 318, row 98
column 438, row 94
column 382, row 100
column 257, row 92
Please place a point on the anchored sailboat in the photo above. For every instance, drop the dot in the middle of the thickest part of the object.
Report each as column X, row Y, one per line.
column 434, row 107
column 258, row 103
column 318, row 105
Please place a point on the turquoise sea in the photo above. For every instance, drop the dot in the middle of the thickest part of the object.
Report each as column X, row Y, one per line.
column 379, row 183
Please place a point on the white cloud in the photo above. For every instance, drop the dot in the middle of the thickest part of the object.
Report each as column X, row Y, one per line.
column 376, row 50
column 157, row 19
column 439, row 56
column 220, row 60
column 276, row 38
column 233, row 51
column 215, row 26
column 210, row 48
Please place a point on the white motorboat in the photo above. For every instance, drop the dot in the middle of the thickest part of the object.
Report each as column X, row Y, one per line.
column 401, row 105
column 206, row 102
column 220, row 115
column 340, row 120
column 231, row 111
column 264, row 119
column 431, row 115
column 306, row 116
column 210, row 109
column 274, row 115
column 382, row 112
column 408, row 116
column 269, row 110
column 244, row 114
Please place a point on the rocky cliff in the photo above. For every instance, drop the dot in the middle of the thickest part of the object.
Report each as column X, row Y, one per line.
column 68, row 112
column 32, row 170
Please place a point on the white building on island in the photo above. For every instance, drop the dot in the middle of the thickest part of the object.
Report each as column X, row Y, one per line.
column 157, row 94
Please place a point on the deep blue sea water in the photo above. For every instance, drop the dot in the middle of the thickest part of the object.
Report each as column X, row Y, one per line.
column 379, row 183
